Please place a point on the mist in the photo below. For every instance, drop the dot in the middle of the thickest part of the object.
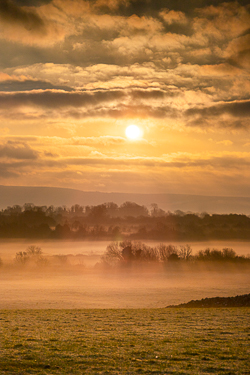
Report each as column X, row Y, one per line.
column 78, row 280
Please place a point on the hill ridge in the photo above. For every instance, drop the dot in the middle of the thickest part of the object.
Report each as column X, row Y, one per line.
column 58, row 196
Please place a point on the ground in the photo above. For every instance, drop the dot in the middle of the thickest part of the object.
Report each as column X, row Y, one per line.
column 125, row 341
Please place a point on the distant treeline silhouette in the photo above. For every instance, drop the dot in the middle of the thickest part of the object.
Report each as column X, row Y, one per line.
column 112, row 222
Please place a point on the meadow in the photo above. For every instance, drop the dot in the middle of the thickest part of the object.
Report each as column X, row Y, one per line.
column 125, row 341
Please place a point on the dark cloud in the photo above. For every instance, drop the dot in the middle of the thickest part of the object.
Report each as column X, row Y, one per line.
column 238, row 114
column 148, row 94
column 237, row 109
column 213, row 162
column 27, row 85
column 240, row 51
column 152, row 7
column 31, row 2
column 15, row 150
column 129, row 111
column 12, row 13
column 94, row 42
column 151, row 103
column 138, row 7
column 57, row 99
column 7, row 172
column 113, row 103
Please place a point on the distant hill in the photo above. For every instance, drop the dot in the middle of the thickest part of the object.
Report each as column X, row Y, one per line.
column 238, row 301
column 11, row 195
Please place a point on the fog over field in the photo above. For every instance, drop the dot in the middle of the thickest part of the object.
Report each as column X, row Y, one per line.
column 94, row 249
column 75, row 281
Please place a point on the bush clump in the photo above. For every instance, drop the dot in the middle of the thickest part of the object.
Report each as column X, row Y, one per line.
column 32, row 256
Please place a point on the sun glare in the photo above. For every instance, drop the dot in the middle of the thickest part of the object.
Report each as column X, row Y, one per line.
column 133, row 132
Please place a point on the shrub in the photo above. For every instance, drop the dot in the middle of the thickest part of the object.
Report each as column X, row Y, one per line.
column 228, row 253
column 185, row 252
column 33, row 254
column 165, row 251
column 22, row 257
column 216, row 255
column 113, row 254
column 173, row 258
column 61, row 259
column 149, row 254
column 134, row 251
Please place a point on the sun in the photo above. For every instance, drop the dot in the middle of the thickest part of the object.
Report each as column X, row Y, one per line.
column 133, row 132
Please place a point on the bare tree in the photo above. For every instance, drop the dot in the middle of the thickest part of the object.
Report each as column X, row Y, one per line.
column 185, row 252
column 113, row 254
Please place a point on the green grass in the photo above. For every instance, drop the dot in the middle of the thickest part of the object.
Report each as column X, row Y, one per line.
column 145, row 341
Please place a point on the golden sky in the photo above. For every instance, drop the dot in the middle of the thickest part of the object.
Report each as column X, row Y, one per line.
column 74, row 74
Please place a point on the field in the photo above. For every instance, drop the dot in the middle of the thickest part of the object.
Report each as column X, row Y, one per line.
column 125, row 341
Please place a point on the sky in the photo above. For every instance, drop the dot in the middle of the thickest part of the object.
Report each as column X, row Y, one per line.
column 74, row 74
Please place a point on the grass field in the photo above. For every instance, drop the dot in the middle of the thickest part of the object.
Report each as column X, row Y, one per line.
column 143, row 341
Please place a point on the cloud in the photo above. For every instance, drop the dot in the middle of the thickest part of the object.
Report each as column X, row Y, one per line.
column 238, row 51
column 222, row 22
column 106, row 76
column 14, row 84
column 31, row 3
column 103, row 103
column 15, row 150
column 42, row 25
column 225, row 142
column 14, row 14
column 237, row 115
column 237, row 109
column 178, row 167
column 103, row 140
column 171, row 16
column 221, row 161
column 31, row 147
column 151, row 103
column 57, row 99
column 7, row 171
column 216, row 170
column 232, row 161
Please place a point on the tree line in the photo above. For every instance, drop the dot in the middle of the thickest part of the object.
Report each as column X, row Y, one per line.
column 128, row 221
column 125, row 254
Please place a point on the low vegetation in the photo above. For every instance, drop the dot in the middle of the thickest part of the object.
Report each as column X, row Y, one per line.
column 146, row 341
column 33, row 255
column 237, row 301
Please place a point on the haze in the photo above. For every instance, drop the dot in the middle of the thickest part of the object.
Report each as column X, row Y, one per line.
column 76, row 275
column 79, row 281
